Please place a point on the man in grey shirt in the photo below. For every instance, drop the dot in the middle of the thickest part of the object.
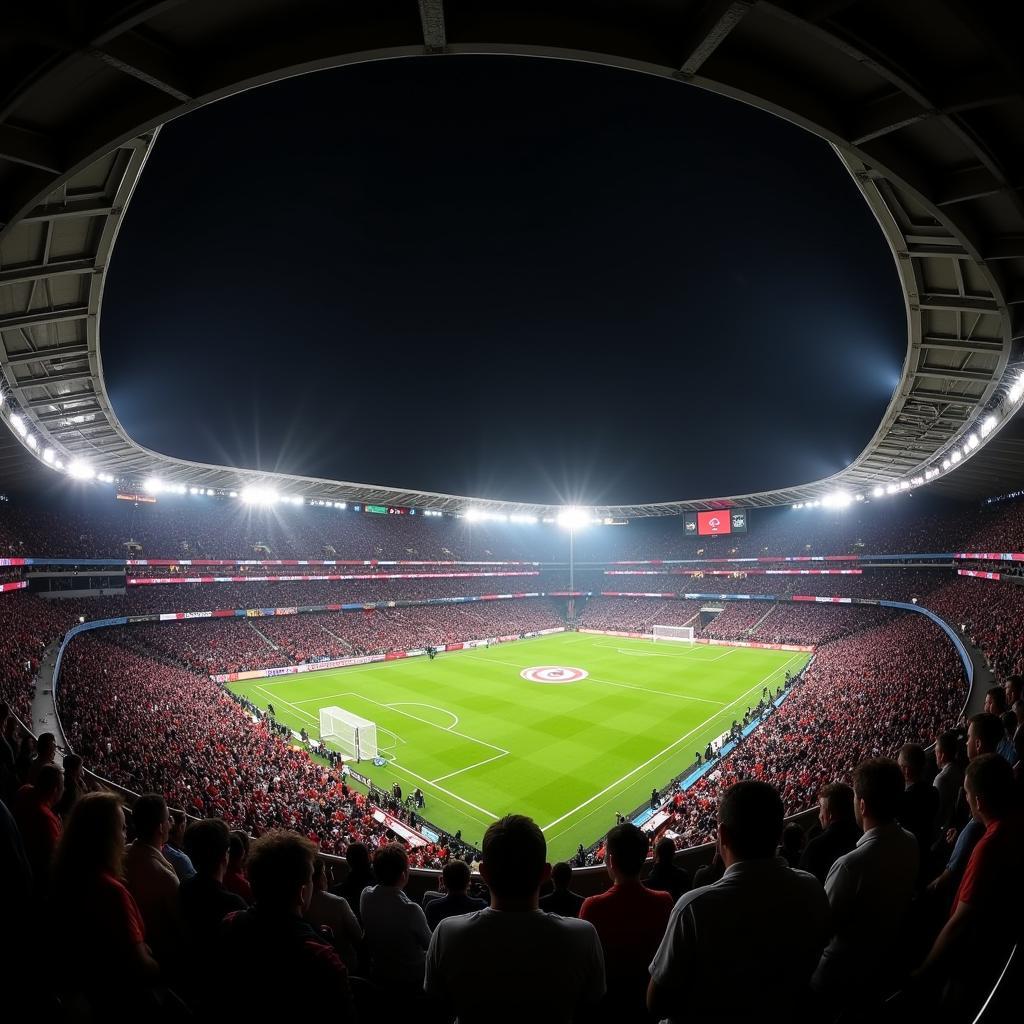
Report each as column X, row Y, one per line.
column 869, row 890
column 948, row 779
column 750, row 940
column 512, row 961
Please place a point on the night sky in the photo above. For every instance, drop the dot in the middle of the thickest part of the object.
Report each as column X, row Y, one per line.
column 502, row 277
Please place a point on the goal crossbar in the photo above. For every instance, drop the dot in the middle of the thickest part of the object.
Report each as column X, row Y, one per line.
column 354, row 735
column 673, row 634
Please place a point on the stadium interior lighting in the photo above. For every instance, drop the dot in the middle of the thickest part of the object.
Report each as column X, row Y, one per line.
column 211, row 492
column 973, row 442
column 573, row 518
column 931, row 474
column 19, row 424
column 105, row 478
column 904, row 485
column 193, row 490
column 259, row 495
column 956, row 455
column 519, row 517
column 799, row 504
column 32, row 442
column 946, row 463
column 81, row 470
column 988, row 426
column 234, row 494
column 859, row 497
column 916, row 481
column 48, row 456
column 838, row 499
column 1017, row 390
column 878, row 491
column 154, row 485
column 892, row 489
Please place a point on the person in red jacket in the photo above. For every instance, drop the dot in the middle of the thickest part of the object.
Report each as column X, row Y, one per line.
column 630, row 920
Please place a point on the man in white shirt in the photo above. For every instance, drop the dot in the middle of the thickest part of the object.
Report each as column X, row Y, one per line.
column 869, row 890
column 512, row 961
column 750, row 940
column 396, row 929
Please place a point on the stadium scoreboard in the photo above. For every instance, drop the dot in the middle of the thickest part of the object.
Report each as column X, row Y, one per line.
column 717, row 523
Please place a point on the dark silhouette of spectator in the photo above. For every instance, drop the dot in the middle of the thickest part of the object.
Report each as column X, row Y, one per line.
column 456, row 900
column 562, row 900
column 792, row 846
column 708, row 874
column 665, row 876
column 326, row 910
column 46, row 753
column 235, row 878
column 396, row 930
column 512, row 961
column 75, row 785
column 40, row 827
column 630, row 920
column 271, row 940
column 919, row 807
column 173, row 851
column 869, row 890
column 711, row 962
column 360, row 875
column 839, row 830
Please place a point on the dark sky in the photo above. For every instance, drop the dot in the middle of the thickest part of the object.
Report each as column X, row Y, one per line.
column 502, row 277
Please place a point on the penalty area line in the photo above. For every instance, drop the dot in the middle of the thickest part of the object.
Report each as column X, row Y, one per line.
column 468, row 767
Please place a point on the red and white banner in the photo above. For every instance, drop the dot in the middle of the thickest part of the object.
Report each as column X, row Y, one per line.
column 398, row 827
column 626, row 593
column 616, row 632
column 822, row 600
column 13, row 561
column 286, row 561
column 733, row 572
column 138, row 581
column 763, row 647
column 980, row 575
column 16, row 585
column 1006, row 556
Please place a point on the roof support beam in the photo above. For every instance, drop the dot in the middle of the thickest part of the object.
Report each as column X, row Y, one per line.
column 71, row 377
column 56, row 417
column 38, row 319
column 715, row 22
column 952, row 344
column 926, row 394
column 133, row 55
column 45, row 355
column 959, row 303
column 945, row 373
column 61, row 400
column 72, row 208
column 21, row 146
column 38, row 271
column 432, row 20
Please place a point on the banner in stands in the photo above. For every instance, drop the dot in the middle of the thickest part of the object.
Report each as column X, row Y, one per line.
column 293, row 561
column 980, row 575
column 399, row 828
column 15, row 561
column 16, row 585
column 615, row 632
column 807, row 648
column 1007, row 556
column 734, row 572
column 141, row 581
column 822, row 600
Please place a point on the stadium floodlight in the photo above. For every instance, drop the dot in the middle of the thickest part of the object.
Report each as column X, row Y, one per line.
column 573, row 518
column 48, row 456
column 260, row 495
column 519, row 517
column 81, row 470
column 859, row 497
column 154, row 485
column 973, row 442
column 892, row 489
column 19, row 424
column 210, row 492
column 946, row 463
column 104, row 478
column 956, row 455
column 916, row 481
column 59, row 464
column 473, row 515
column 234, row 494
column 904, row 485
column 798, row 505
column 32, row 442
column 988, row 426
column 878, row 491
column 837, row 499
column 1017, row 391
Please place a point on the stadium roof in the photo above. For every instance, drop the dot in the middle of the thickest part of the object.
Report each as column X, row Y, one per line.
column 922, row 100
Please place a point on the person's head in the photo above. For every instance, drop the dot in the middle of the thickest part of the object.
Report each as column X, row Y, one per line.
column 912, row 761
column 792, row 839
column 391, row 865
column 984, row 734
column 46, row 746
column 72, row 768
column 455, row 875
column 749, row 822
column 1009, row 720
column 835, row 804
column 280, row 871
column 877, row 791
column 92, row 842
column 1014, row 690
column 357, row 856
column 151, row 820
column 49, row 784
column 995, row 700
column 206, row 843
column 1018, row 711
column 238, row 849
column 321, row 878
column 561, row 875
column 989, row 787
column 178, row 825
column 514, row 863
column 947, row 746
column 665, row 851
column 625, row 852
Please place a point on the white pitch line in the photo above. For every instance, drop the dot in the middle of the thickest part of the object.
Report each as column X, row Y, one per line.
column 479, row 764
column 434, row 707
column 660, row 753
column 305, row 714
column 448, row 792
column 660, row 693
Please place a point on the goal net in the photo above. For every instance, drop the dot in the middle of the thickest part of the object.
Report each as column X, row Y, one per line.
column 354, row 736
column 673, row 634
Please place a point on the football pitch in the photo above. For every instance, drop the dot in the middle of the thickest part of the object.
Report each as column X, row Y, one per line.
column 571, row 750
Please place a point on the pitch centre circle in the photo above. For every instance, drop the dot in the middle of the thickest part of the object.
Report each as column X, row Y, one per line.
column 554, row 675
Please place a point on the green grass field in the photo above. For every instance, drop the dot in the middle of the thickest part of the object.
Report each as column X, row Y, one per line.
column 482, row 741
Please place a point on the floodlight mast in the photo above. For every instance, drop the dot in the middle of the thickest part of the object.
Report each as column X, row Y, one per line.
column 572, row 517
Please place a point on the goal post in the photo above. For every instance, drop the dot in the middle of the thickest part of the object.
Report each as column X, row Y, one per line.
column 354, row 736
column 673, row 634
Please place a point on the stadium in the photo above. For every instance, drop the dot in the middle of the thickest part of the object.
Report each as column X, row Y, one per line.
column 774, row 738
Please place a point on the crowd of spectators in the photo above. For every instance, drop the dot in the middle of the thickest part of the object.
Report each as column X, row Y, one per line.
column 636, row 614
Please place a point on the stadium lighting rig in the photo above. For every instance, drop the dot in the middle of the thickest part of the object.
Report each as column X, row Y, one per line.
column 574, row 518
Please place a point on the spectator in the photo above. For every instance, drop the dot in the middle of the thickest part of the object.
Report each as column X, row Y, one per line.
column 664, row 876
column 562, row 900
column 15, row 869
column 512, row 961
column 972, row 946
column 271, row 940
column 360, row 875
column 630, row 920
column 995, row 704
column 46, row 753
column 456, row 877
column 839, row 833
column 40, row 827
column 869, row 890
column 711, row 962
column 919, row 807
column 96, row 915
column 75, row 785
column 235, row 879
column 333, row 912
column 948, row 779
column 8, row 776
column 172, row 850
column 203, row 904
column 396, row 929
column 792, row 845
column 151, row 879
